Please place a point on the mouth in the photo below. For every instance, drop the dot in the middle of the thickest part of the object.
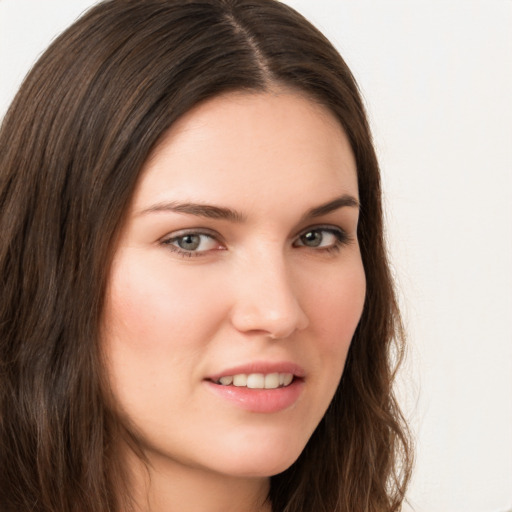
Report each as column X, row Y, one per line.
column 260, row 386
column 257, row 390
column 256, row 380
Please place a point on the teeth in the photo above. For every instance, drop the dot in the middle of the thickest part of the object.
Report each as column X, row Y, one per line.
column 272, row 381
column 257, row 380
column 287, row 379
column 240, row 380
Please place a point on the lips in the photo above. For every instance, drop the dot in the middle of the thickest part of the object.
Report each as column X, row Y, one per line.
column 259, row 387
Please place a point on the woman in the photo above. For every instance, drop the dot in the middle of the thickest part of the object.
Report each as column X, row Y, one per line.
column 196, row 308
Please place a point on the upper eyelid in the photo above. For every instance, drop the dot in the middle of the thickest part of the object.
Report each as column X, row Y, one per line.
column 321, row 227
column 340, row 234
column 191, row 231
column 217, row 236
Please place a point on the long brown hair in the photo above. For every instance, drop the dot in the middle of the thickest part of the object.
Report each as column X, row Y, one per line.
column 71, row 149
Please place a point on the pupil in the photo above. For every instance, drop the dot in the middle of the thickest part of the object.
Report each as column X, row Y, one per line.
column 189, row 242
column 312, row 239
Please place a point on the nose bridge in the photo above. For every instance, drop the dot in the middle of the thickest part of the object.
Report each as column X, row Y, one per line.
column 266, row 300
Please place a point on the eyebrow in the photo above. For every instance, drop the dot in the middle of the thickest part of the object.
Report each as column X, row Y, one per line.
column 220, row 212
column 340, row 202
column 197, row 209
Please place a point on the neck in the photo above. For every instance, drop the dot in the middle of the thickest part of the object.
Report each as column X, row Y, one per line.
column 167, row 486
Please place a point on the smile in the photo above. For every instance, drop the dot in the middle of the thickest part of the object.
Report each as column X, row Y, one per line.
column 258, row 392
column 257, row 380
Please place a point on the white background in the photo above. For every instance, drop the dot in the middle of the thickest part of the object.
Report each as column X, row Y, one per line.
column 437, row 78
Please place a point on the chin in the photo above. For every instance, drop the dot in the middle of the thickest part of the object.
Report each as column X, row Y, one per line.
column 264, row 460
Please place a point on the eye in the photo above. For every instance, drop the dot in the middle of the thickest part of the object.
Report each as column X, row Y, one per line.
column 324, row 238
column 192, row 243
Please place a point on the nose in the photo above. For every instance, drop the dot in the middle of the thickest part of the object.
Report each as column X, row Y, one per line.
column 265, row 301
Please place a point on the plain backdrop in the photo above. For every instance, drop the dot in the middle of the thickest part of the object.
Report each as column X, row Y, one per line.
column 437, row 80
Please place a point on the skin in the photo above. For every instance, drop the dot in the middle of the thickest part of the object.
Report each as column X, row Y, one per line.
column 256, row 288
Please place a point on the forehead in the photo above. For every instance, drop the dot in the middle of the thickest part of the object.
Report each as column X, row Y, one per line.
column 239, row 145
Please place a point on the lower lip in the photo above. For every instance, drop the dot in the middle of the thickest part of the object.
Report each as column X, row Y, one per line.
column 260, row 400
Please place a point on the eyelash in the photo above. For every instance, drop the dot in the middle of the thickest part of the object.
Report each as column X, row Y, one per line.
column 183, row 252
column 341, row 239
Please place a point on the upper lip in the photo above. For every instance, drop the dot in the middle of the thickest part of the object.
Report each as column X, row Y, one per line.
column 261, row 367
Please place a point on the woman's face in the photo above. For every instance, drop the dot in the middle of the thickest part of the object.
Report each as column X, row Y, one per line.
column 236, row 285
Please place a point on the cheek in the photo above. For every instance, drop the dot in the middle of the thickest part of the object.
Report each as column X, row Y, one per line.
column 150, row 309
column 150, row 325
column 335, row 309
column 152, row 337
column 337, row 304
column 339, row 314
